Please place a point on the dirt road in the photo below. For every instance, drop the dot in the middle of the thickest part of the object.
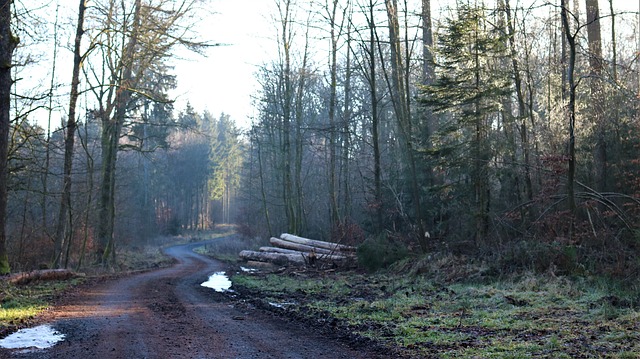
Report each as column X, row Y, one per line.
column 168, row 314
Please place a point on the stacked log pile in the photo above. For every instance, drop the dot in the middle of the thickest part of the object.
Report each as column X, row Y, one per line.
column 294, row 250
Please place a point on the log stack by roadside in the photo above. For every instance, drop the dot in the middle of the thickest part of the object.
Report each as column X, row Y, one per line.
column 295, row 250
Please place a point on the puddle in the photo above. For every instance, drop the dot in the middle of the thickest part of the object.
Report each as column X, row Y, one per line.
column 41, row 337
column 219, row 282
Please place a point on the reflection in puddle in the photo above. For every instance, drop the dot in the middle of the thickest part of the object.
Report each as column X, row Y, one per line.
column 41, row 337
column 219, row 282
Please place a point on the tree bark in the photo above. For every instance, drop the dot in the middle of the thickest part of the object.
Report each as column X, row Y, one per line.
column 65, row 201
column 400, row 101
column 522, row 108
column 316, row 243
column 111, row 129
column 375, row 123
column 571, row 112
column 298, row 247
column 596, row 64
column 8, row 43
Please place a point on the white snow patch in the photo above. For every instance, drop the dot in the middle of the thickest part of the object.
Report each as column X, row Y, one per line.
column 41, row 337
column 250, row 270
column 281, row 305
column 219, row 282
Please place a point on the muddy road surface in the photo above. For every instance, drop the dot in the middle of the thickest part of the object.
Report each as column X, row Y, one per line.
column 168, row 314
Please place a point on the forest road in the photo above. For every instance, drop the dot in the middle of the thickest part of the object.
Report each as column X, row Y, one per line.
column 166, row 313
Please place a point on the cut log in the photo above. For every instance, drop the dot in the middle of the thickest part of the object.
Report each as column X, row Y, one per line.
column 294, row 257
column 46, row 274
column 317, row 243
column 275, row 258
column 299, row 247
column 319, row 256
column 261, row 265
column 278, row 250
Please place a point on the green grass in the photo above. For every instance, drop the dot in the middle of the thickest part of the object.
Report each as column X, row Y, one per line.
column 21, row 303
column 523, row 317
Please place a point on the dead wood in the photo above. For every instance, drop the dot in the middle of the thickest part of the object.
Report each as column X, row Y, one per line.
column 316, row 243
column 42, row 275
column 299, row 247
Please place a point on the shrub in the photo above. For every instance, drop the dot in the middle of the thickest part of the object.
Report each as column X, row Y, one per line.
column 379, row 252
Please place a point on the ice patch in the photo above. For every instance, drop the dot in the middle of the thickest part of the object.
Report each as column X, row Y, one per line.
column 219, row 282
column 41, row 337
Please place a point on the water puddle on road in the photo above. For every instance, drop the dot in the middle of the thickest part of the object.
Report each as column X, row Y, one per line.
column 40, row 337
column 219, row 282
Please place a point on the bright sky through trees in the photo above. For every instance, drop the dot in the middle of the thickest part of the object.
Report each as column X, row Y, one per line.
column 223, row 80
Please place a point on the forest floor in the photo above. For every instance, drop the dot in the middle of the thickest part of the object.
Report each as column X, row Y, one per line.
column 451, row 311
column 447, row 312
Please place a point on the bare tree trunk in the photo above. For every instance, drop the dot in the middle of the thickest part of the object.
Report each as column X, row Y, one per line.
column 47, row 159
column 399, row 88
column 263, row 193
column 90, row 182
column 428, row 78
column 8, row 43
column 597, row 95
column 300, row 216
column 346, row 129
column 375, row 121
column 522, row 109
column 65, row 201
column 287, row 184
column 112, row 127
column 571, row 112
column 333, row 193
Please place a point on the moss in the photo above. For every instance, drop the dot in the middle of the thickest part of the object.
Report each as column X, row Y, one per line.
column 4, row 265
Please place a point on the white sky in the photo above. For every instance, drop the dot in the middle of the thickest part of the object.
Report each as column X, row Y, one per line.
column 224, row 80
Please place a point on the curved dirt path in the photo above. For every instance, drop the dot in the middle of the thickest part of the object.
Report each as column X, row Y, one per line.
column 167, row 314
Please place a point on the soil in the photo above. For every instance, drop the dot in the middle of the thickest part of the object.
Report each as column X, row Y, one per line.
column 166, row 313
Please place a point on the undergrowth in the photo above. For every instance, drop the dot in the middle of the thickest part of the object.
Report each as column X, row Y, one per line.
column 450, row 307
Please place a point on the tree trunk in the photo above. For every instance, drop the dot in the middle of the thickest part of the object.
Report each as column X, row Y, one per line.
column 375, row 124
column 522, row 108
column 596, row 65
column 299, row 212
column 571, row 112
column 65, row 201
column 8, row 43
column 287, row 97
column 333, row 193
column 400, row 101
column 346, row 130
column 111, row 129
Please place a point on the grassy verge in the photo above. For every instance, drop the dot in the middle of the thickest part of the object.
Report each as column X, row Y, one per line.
column 416, row 316
column 20, row 304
